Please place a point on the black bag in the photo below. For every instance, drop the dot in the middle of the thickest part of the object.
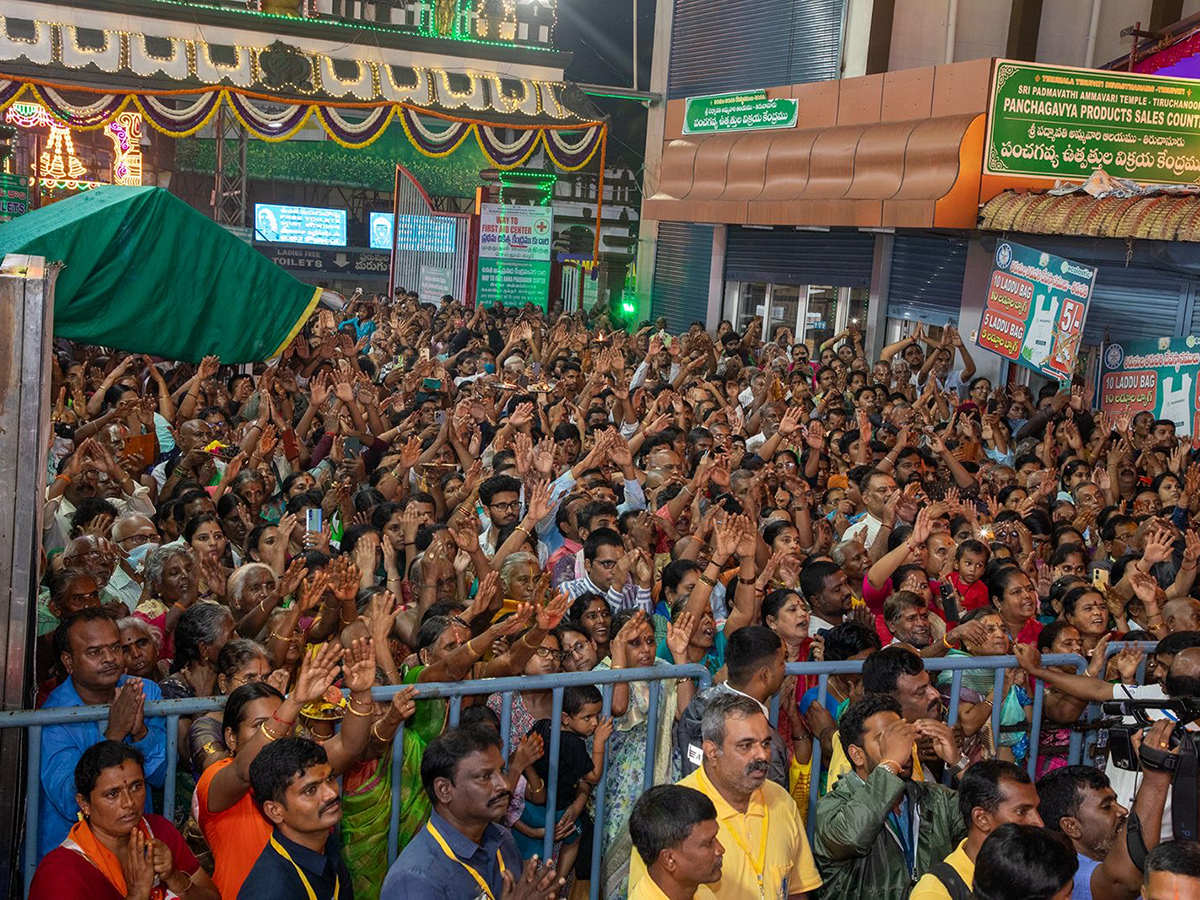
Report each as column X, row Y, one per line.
column 951, row 881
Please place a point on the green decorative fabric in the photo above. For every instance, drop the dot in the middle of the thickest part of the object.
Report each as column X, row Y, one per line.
column 325, row 162
column 147, row 273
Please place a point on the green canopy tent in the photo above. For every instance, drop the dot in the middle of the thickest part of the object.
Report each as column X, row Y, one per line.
column 147, row 273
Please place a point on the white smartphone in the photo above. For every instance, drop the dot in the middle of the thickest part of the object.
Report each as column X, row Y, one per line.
column 312, row 519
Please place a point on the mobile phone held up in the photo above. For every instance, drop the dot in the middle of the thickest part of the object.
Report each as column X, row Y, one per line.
column 312, row 520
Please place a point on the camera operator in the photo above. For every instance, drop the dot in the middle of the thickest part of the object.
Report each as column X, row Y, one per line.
column 1182, row 679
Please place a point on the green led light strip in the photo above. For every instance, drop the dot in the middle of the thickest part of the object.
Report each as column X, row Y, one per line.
column 457, row 34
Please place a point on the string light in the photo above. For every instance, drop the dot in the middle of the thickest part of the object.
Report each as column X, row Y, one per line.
column 59, row 167
column 125, row 132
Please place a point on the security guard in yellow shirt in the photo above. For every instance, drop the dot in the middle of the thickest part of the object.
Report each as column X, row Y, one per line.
column 675, row 827
column 991, row 793
column 767, row 856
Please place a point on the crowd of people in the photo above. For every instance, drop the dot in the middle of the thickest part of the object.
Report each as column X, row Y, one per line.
column 419, row 493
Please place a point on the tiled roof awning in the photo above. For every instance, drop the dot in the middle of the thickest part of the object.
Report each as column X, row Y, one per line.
column 917, row 173
column 1161, row 217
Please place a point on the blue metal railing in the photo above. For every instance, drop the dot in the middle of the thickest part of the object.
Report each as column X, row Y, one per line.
column 605, row 679
column 956, row 665
column 173, row 710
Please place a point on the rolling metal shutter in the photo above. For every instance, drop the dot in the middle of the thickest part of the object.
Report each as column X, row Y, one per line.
column 682, row 262
column 927, row 278
column 786, row 256
column 1138, row 302
column 739, row 45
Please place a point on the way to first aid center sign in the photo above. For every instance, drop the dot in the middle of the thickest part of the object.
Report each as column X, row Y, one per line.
column 1036, row 306
column 1159, row 376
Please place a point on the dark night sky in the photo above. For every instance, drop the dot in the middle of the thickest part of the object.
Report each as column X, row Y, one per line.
column 600, row 35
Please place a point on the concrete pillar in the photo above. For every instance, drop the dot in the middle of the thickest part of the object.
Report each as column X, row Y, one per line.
column 974, row 299
column 716, row 278
column 656, row 119
column 875, row 328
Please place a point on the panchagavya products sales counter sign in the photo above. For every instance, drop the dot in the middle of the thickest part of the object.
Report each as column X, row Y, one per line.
column 1061, row 122
column 1036, row 306
column 1159, row 376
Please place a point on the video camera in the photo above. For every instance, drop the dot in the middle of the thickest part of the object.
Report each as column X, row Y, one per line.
column 1120, row 735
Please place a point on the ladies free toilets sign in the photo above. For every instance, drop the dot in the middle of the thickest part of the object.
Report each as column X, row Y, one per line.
column 1159, row 376
column 1035, row 309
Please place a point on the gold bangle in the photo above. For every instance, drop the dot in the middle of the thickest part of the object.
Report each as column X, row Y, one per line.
column 375, row 734
column 267, row 734
column 525, row 641
column 706, row 580
column 471, row 649
column 355, row 712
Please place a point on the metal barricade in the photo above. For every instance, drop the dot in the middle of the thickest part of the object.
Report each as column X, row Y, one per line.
column 172, row 710
column 956, row 665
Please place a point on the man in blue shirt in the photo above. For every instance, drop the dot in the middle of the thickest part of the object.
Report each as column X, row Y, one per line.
column 462, row 853
column 88, row 644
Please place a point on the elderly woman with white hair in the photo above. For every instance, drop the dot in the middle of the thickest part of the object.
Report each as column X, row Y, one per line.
column 519, row 575
column 255, row 592
column 171, row 586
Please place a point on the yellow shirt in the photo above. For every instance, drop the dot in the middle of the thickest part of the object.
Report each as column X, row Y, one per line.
column 788, row 866
column 839, row 763
column 931, row 888
column 646, row 889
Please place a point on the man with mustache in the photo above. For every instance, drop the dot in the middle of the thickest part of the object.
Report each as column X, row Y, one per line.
column 758, row 824
column 754, row 660
column 676, row 829
column 900, row 673
column 462, row 852
column 88, row 646
column 297, row 791
column 878, row 831
column 1078, row 801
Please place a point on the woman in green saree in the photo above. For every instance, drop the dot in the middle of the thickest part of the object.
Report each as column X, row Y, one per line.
column 367, row 797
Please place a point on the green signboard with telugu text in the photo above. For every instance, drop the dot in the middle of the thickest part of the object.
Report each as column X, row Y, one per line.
column 739, row 111
column 1059, row 122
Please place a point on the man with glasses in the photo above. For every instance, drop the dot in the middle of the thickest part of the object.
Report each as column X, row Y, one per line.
column 621, row 577
column 131, row 531
column 99, row 557
column 501, row 497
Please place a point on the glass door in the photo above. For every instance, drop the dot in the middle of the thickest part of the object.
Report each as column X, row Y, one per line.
column 820, row 318
column 752, row 302
column 785, row 310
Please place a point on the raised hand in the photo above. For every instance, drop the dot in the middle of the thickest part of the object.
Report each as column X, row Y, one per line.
column 163, row 861
column 679, row 635
column 536, row 882
column 619, row 646
column 527, row 752
column 550, row 615
column 358, row 663
column 345, row 578
column 137, row 863
column 318, row 671
column 292, row 578
column 126, row 710
column 404, row 703
column 312, row 590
